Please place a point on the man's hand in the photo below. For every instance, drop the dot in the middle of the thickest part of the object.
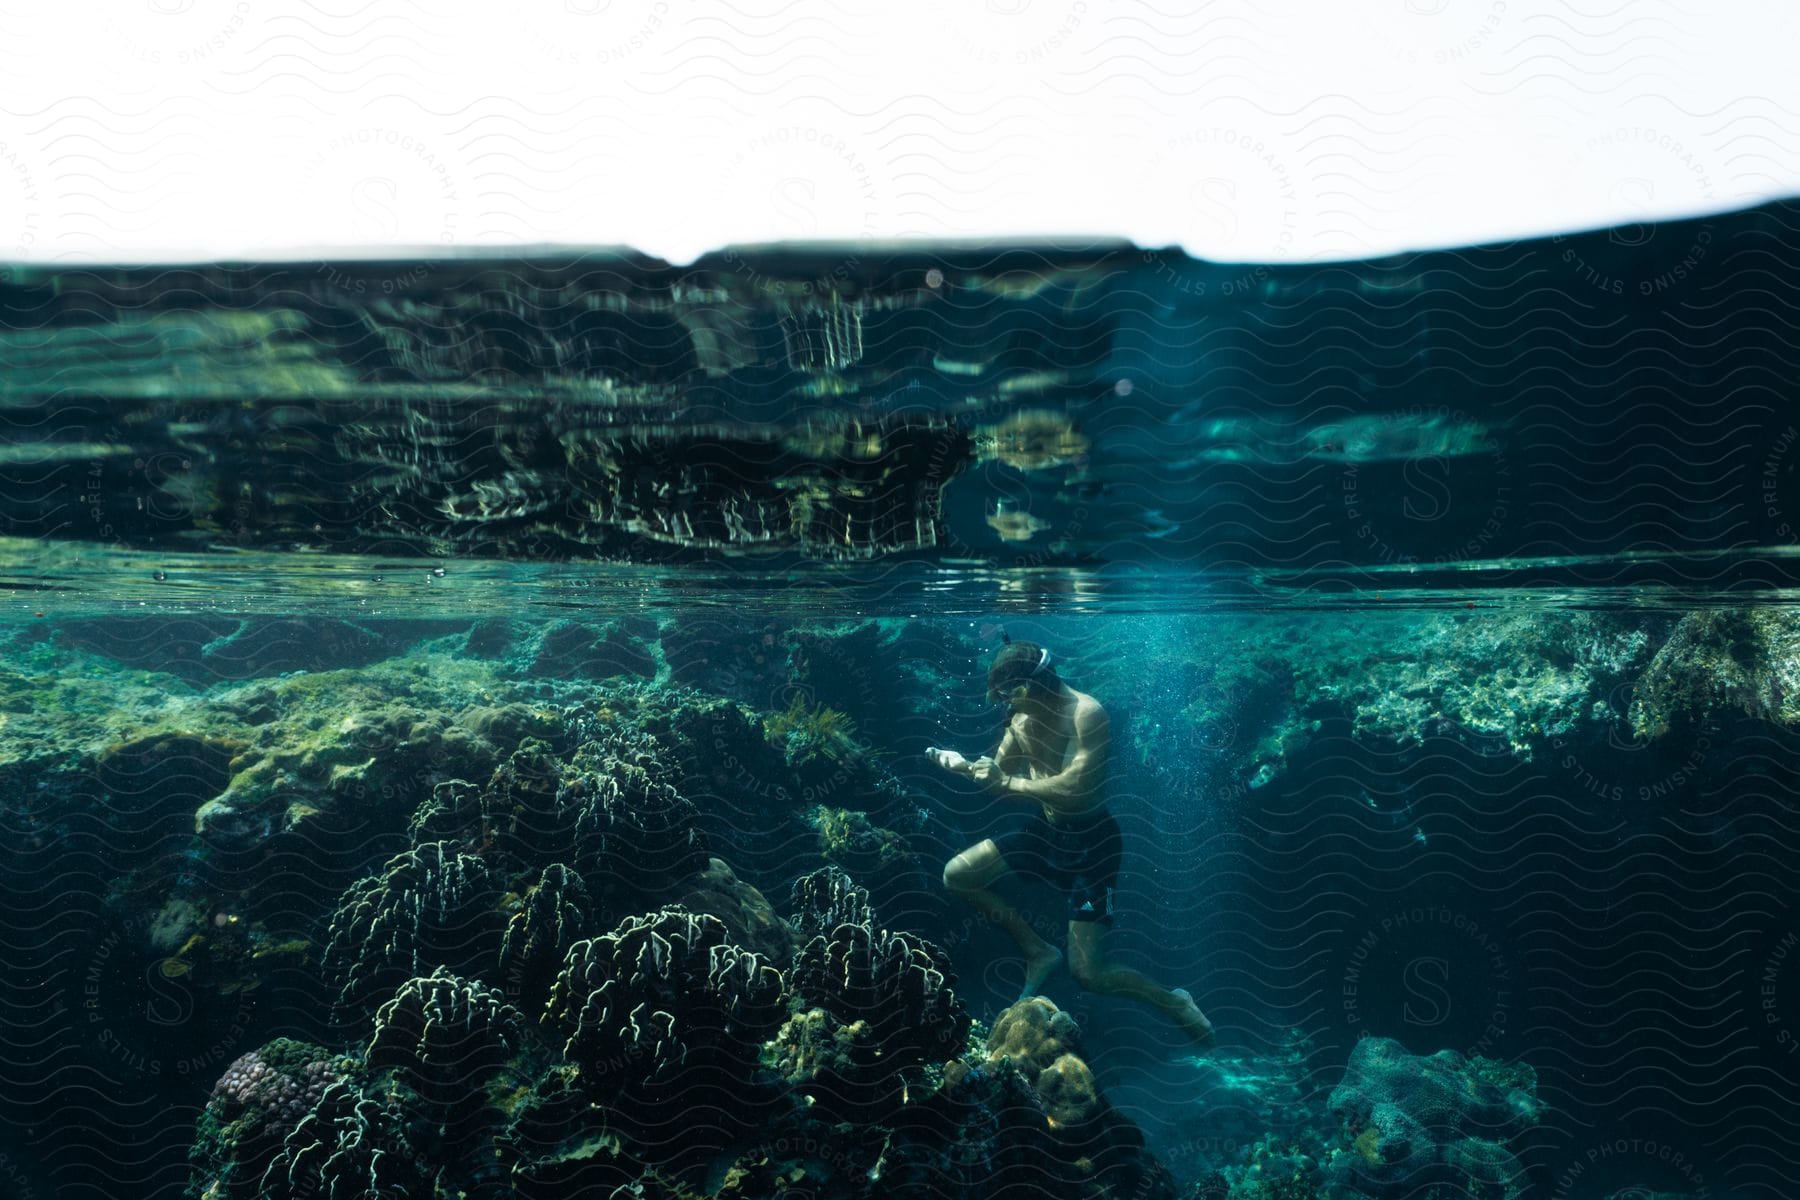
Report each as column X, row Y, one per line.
column 987, row 771
column 950, row 760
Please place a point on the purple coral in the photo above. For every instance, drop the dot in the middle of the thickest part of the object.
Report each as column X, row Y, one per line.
column 257, row 1103
column 252, row 1084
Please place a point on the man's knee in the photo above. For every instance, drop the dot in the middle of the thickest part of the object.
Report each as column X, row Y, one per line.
column 973, row 869
column 959, row 876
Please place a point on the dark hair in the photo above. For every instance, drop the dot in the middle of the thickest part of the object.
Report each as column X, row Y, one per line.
column 1019, row 662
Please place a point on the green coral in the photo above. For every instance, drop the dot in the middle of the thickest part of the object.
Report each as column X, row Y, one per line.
column 851, row 840
column 805, row 732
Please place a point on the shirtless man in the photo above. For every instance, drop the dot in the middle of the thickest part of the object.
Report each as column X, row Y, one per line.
column 1053, row 755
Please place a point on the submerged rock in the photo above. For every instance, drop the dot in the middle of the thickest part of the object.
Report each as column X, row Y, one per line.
column 1718, row 665
column 1502, row 684
column 746, row 912
column 1411, row 1123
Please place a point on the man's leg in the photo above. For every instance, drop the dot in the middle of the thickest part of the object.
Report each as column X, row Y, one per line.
column 1091, row 970
column 968, row 875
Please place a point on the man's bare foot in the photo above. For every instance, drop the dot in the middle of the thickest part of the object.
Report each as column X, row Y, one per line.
column 1038, row 968
column 1191, row 1018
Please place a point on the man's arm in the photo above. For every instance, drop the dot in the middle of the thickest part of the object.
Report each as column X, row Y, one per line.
column 1071, row 790
column 1008, row 752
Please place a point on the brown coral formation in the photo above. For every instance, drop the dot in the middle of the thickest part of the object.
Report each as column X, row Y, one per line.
column 1043, row 1042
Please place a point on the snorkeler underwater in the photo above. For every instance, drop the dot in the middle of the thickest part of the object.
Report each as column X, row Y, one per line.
column 969, row 600
column 503, row 796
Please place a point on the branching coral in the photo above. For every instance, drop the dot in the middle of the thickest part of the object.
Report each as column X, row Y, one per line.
column 554, row 914
column 633, row 831
column 827, row 898
column 447, row 1038
column 430, row 907
column 355, row 1142
column 899, row 984
column 665, row 999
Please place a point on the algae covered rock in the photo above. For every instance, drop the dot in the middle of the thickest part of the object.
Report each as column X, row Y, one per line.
column 1508, row 683
column 995, row 1129
column 1722, row 664
column 854, row 842
column 746, row 912
column 336, row 751
column 1411, row 1122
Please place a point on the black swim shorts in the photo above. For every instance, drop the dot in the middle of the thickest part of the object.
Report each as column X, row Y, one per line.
column 1078, row 856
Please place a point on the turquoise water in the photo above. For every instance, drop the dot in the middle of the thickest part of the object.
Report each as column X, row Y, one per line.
column 463, row 724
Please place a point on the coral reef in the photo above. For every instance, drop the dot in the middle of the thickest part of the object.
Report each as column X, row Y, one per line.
column 255, row 1104
column 1413, row 1122
column 430, row 907
column 899, row 985
column 703, row 1045
column 665, row 1001
column 446, row 1039
column 1043, row 1043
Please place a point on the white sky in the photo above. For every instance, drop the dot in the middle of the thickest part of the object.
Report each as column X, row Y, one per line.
column 1242, row 129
